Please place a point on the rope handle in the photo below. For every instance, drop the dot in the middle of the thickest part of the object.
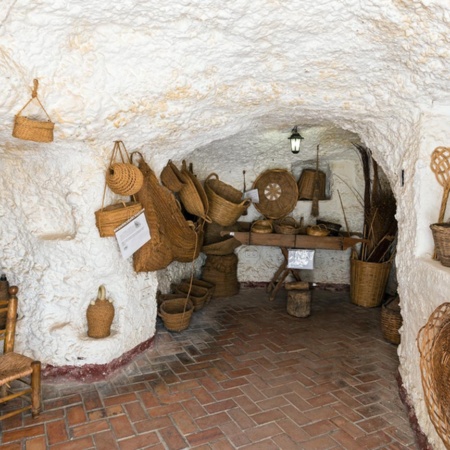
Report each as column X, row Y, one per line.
column 34, row 95
column 212, row 175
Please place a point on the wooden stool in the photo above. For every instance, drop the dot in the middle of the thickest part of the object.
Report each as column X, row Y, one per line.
column 299, row 298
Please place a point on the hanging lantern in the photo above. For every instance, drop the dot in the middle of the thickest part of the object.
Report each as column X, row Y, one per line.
column 296, row 140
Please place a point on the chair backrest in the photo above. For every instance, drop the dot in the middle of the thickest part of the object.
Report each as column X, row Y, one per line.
column 8, row 333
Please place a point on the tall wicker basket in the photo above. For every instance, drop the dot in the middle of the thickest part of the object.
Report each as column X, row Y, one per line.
column 441, row 236
column 368, row 282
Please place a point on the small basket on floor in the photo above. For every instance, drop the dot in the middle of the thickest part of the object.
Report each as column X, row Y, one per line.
column 176, row 314
column 391, row 320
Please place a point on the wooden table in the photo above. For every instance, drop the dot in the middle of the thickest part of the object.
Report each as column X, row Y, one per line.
column 286, row 241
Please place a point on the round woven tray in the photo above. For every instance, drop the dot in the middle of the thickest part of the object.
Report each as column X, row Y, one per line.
column 434, row 346
column 278, row 193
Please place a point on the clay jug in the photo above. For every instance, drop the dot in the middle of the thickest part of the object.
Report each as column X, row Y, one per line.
column 100, row 314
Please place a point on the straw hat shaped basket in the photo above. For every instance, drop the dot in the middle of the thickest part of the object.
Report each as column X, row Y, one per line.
column 225, row 202
column 433, row 341
column 278, row 193
column 193, row 195
column 32, row 129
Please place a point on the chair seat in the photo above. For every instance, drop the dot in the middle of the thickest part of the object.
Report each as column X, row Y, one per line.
column 14, row 366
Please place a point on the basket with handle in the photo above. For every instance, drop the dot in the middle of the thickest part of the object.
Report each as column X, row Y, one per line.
column 100, row 314
column 262, row 226
column 32, row 129
column 197, row 294
column 123, row 178
column 288, row 225
column 225, row 201
column 176, row 313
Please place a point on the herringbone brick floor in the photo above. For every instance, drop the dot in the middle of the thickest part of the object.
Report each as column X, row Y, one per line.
column 244, row 375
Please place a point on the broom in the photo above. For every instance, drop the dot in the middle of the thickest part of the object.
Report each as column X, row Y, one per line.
column 316, row 192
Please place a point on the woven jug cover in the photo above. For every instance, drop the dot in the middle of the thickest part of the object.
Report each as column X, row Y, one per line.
column 434, row 347
column 278, row 193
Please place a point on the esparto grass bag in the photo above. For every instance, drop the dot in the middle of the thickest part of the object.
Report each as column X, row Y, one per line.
column 31, row 129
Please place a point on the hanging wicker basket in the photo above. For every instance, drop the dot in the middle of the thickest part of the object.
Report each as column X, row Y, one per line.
column 111, row 217
column 391, row 320
column 171, row 177
column 176, row 314
column 32, row 129
column 225, row 202
column 278, row 193
column 307, row 183
column 123, row 178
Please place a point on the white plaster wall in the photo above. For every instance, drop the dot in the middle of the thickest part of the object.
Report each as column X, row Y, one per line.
column 169, row 78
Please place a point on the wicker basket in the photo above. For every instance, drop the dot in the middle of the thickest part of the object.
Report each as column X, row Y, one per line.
column 176, row 314
column 124, row 179
column 288, row 225
column 171, row 177
column 203, row 284
column 193, row 195
column 278, row 193
column 441, row 236
column 306, row 184
column 225, row 202
column 434, row 346
column 391, row 320
column 222, row 272
column 111, row 217
column 100, row 314
column 198, row 295
column 32, row 129
column 262, row 226
column 368, row 282
column 317, row 230
column 224, row 247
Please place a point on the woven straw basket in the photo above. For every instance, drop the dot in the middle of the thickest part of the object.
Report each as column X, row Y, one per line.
column 433, row 341
column 124, row 179
column 288, row 225
column 391, row 320
column 100, row 315
column 368, row 282
column 224, row 247
column 225, row 202
column 306, row 184
column 111, row 217
column 32, row 129
column 441, row 236
column 278, row 193
column 203, row 284
column 171, row 177
column 197, row 294
column 317, row 230
column 262, row 226
column 176, row 314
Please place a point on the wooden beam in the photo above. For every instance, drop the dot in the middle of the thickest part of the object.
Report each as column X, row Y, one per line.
column 294, row 241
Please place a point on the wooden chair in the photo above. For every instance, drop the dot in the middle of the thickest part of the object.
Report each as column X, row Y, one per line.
column 16, row 368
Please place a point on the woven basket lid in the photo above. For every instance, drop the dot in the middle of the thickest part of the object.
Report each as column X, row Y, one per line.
column 278, row 193
column 434, row 347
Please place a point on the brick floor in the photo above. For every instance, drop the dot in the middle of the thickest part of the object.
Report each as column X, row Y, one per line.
column 244, row 375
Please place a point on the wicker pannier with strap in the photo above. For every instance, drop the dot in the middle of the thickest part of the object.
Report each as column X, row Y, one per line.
column 33, row 129
column 225, row 202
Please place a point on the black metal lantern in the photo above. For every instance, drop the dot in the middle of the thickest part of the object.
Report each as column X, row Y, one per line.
column 296, row 140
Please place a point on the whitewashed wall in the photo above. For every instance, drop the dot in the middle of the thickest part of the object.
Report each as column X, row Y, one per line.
column 169, row 78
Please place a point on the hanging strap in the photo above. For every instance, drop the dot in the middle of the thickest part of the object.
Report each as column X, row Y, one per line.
column 34, row 95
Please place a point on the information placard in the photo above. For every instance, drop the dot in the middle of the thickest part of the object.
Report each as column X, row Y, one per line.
column 132, row 234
